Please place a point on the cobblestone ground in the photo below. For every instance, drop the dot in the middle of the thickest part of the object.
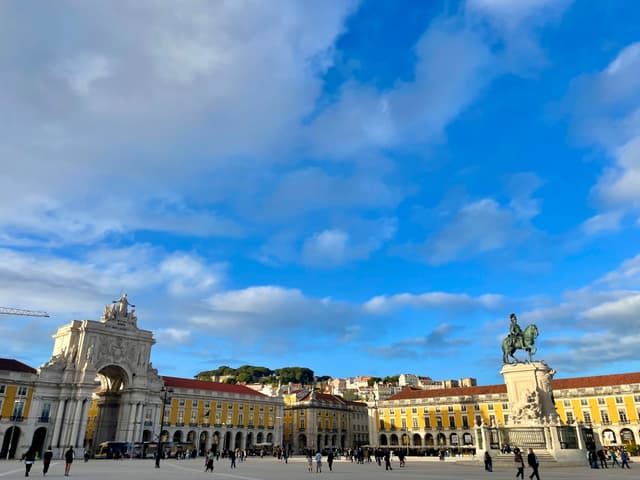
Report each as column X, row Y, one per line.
column 272, row 469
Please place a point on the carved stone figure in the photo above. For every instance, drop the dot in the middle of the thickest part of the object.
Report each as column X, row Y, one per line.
column 529, row 410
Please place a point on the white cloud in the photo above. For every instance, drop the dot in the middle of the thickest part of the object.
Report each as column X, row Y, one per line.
column 602, row 222
column 173, row 336
column 433, row 300
column 328, row 247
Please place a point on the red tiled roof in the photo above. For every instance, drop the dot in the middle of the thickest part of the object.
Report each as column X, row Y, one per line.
column 412, row 392
column 13, row 365
column 177, row 382
column 559, row 384
column 596, row 381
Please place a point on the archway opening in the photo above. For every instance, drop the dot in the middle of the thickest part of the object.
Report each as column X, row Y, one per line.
column 38, row 439
column 10, row 442
column 113, row 381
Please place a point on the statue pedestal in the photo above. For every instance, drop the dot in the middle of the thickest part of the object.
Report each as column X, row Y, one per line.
column 530, row 393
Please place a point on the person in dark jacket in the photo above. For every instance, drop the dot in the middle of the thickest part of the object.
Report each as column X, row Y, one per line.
column 532, row 460
column 46, row 460
column 68, row 460
column 488, row 462
column 29, row 458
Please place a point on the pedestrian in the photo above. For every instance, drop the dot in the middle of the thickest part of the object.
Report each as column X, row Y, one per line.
column 387, row 460
column 614, row 459
column 209, row 462
column 519, row 462
column 232, row 457
column 603, row 459
column 318, row 462
column 532, row 460
column 29, row 458
column 68, row 460
column 624, row 458
column 488, row 463
column 330, row 461
column 309, row 462
column 46, row 460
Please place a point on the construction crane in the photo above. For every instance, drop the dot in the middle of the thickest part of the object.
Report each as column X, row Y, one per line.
column 21, row 312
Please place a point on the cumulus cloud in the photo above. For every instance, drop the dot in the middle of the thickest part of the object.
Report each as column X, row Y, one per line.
column 433, row 300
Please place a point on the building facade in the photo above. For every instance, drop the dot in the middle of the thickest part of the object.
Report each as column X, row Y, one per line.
column 449, row 418
column 320, row 421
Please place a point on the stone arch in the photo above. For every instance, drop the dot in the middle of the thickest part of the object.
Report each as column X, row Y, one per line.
column 114, row 380
column 38, row 439
column 270, row 437
column 10, row 442
column 260, row 437
column 393, row 441
column 453, row 439
column 302, row 441
column 147, row 435
column 404, row 440
column 164, row 435
column 333, row 440
column 202, row 444
column 177, row 436
column 428, row 440
column 249, row 442
column 238, row 441
column 467, row 438
column 227, row 442
column 608, row 437
column 215, row 442
column 319, row 442
column 191, row 437
column 383, row 439
column 627, row 437
column 442, row 439
column 417, row 440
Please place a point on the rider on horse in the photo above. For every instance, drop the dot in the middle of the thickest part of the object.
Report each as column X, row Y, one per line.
column 515, row 332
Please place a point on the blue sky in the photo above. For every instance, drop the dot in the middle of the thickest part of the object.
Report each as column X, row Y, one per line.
column 355, row 187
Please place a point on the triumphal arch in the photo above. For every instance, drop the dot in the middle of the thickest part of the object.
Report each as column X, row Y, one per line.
column 106, row 362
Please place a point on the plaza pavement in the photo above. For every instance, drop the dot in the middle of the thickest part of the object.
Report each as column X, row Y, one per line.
column 271, row 469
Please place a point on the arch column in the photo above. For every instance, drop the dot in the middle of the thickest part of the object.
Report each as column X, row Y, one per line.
column 57, row 426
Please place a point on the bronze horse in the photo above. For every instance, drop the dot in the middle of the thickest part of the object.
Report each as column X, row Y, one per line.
column 526, row 342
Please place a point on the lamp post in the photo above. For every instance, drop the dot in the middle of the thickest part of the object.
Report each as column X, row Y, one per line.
column 160, row 446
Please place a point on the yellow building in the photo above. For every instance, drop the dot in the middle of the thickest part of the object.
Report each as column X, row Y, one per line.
column 606, row 408
column 319, row 421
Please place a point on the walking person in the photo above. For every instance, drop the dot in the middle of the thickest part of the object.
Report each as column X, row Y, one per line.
column 488, row 462
column 209, row 462
column 532, row 460
column 68, row 460
column 232, row 457
column 387, row 460
column 519, row 462
column 330, row 461
column 46, row 460
column 614, row 459
column 624, row 458
column 29, row 458
column 309, row 462
column 318, row 462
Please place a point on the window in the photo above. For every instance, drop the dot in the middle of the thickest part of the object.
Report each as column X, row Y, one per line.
column 478, row 420
column 439, row 422
column 22, row 391
column 584, row 402
column 46, row 411
column 147, row 415
column 194, row 414
column 437, row 409
column 302, row 423
column 605, row 417
column 452, row 421
column 505, row 406
column 402, row 411
column 465, row 421
column 326, row 424
column 636, row 398
column 506, row 418
column 623, row 416
column 450, row 408
column 415, row 423
column 241, row 418
column 492, row 419
column 567, row 403
column 194, row 403
column 181, row 415
column 414, row 410
column 18, row 409
column 181, row 402
column 476, row 408
column 2, row 388
column 601, row 401
column 381, row 424
column 569, row 417
column 619, row 400
column 392, row 423
column 207, row 405
column 490, row 406
column 404, row 423
column 427, row 422
column 586, row 416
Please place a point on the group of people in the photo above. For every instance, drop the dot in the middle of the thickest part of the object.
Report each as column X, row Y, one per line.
column 617, row 456
column 30, row 455
column 518, row 458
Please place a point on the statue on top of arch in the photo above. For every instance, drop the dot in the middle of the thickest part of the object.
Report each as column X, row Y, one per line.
column 118, row 313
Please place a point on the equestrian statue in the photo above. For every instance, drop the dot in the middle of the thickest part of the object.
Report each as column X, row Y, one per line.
column 519, row 340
